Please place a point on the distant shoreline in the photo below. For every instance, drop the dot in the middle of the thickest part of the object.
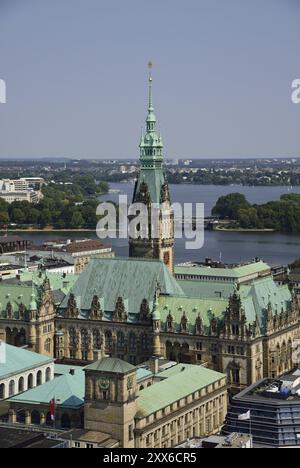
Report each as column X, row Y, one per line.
column 243, row 230
column 47, row 230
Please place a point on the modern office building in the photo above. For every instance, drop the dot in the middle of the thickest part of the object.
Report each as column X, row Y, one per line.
column 273, row 407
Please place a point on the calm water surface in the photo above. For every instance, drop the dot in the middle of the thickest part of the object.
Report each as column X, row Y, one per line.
column 274, row 248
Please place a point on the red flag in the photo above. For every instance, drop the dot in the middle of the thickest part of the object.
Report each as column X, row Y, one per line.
column 52, row 409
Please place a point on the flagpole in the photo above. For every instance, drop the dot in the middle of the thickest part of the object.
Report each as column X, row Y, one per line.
column 250, row 426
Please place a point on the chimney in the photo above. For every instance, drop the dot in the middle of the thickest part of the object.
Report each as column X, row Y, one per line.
column 154, row 365
column 72, row 371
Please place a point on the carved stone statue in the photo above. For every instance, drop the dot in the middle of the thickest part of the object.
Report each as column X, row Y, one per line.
column 96, row 312
column 120, row 314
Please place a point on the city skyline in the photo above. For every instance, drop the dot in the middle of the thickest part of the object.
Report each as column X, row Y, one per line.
column 220, row 91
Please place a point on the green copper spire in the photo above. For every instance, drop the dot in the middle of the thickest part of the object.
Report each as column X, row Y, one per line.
column 151, row 146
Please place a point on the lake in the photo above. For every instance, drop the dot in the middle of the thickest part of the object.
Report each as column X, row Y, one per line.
column 274, row 248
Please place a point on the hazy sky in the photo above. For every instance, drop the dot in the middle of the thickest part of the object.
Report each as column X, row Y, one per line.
column 76, row 77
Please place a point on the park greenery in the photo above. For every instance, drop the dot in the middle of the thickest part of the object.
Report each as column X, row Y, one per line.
column 68, row 203
column 281, row 216
column 295, row 265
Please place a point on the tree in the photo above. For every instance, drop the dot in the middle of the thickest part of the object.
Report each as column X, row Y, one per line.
column 18, row 216
column 230, row 205
column 45, row 218
column 295, row 265
column 77, row 220
column 4, row 219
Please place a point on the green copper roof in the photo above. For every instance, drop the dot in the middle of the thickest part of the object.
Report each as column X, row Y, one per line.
column 151, row 157
column 132, row 279
column 174, row 388
column 256, row 297
column 155, row 179
column 142, row 374
column 175, row 370
column 234, row 273
column 58, row 281
column 68, row 390
column 17, row 294
column 207, row 289
column 19, row 360
column 192, row 307
column 64, row 369
column 111, row 365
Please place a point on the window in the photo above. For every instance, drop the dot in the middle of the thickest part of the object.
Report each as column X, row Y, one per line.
column 39, row 379
column 11, row 388
column 77, row 444
column 89, row 446
column 132, row 342
column 130, row 432
column 236, row 376
column 48, row 374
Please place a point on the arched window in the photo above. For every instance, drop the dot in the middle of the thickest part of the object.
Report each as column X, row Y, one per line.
column 21, row 385
column 2, row 391
column 84, row 338
column 48, row 374
column 47, row 346
column 11, row 388
column 132, row 342
column 120, row 340
column 30, row 382
column 39, row 378
column 108, row 341
column 97, row 339
column 145, row 342
column 72, row 336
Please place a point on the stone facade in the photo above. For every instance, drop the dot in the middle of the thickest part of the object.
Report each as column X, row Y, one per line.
column 115, row 405
column 29, row 317
column 230, row 344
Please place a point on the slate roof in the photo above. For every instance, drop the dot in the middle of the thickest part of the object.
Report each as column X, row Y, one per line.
column 19, row 360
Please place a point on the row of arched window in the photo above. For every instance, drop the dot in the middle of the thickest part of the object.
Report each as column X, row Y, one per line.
column 16, row 386
column 132, row 340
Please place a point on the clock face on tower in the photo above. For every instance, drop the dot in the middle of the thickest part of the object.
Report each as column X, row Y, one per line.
column 104, row 384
